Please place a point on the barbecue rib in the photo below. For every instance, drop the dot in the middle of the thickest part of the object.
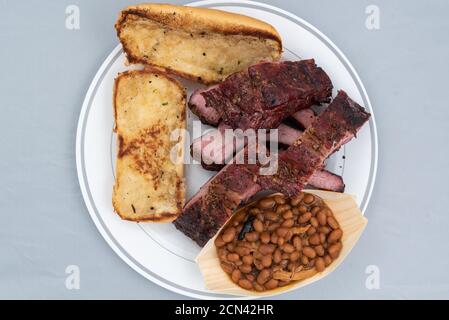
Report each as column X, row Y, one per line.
column 304, row 117
column 210, row 208
column 263, row 95
column 214, row 152
column 212, row 149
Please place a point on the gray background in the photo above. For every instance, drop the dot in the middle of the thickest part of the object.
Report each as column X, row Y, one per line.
column 46, row 70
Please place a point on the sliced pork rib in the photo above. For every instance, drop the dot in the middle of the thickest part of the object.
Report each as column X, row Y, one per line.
column 210, row 208
column 326, row 180
column 263, row 95
column 215, row 202
column 336, row 125
column 304, row 117
column 212, row 151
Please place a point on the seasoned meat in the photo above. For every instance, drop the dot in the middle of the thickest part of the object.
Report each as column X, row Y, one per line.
column 263, row 95
column 210, row 208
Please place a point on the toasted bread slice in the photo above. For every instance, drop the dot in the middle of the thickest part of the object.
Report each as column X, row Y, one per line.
column 204, row 45
column 149, row 185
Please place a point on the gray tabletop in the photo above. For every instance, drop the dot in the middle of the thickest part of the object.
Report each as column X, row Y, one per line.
column 46, row 69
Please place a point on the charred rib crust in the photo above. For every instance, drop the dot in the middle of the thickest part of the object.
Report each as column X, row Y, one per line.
column 266, row 94
column 207, row 211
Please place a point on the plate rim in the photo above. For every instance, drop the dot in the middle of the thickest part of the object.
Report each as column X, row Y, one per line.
column 112, row 242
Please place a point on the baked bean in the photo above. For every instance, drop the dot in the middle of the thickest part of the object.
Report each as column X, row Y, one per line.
column 258, row 265
column 319, row 250
column 277, row 256
column 279, row 199
column 229, row 235
column 222, row 253
column 324, row 230
column 274, row 238
column 309, row 252
column 281, row 241
column 266, row 260
column 236, row 274
column 294, row 256
column 248, row 259
column 265, row 237
column 292, row 266
column 245, row 244
column 252, row 236
column 245, row 284
column 319, row 264
column 327, row 260
column 287, row 214
column 296, row 200
column 263, row 276
column 219, row 241
column 304, row 260
column 334, row 250
column 287, row 235
column 266, row 203
column 334, row 236
column 273, row 226
column 288, row 223
column 266, row 248
column 244, row 268
column 258, row 225
column 314, row 239
column 282, row 208
column 315, row 210
column 242, row 251
column 281, row 232
column 305, row 217
column 311, row 231
column 271, row 215
column 227, row 267
column 322, row 238
column 297, row 243
column 322, row 217
column 288, row 248
column 283, row 283
column 232, row 257
column 332, row 222
column 271, row 284
column 314, row 222
column 257, row 255
column 308, row 198
column 258, row 287
column 250, row 277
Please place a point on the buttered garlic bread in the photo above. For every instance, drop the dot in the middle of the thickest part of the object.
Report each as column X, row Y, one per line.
column 149, row 182
column 201, row 44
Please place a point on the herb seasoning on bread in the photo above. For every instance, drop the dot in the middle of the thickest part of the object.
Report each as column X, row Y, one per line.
column 149, row 185
column 204, row 45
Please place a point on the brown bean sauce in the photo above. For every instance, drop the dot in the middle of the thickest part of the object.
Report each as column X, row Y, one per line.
column 277, row 240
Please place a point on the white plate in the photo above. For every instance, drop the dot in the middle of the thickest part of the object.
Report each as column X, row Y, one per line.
column 158, row 251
